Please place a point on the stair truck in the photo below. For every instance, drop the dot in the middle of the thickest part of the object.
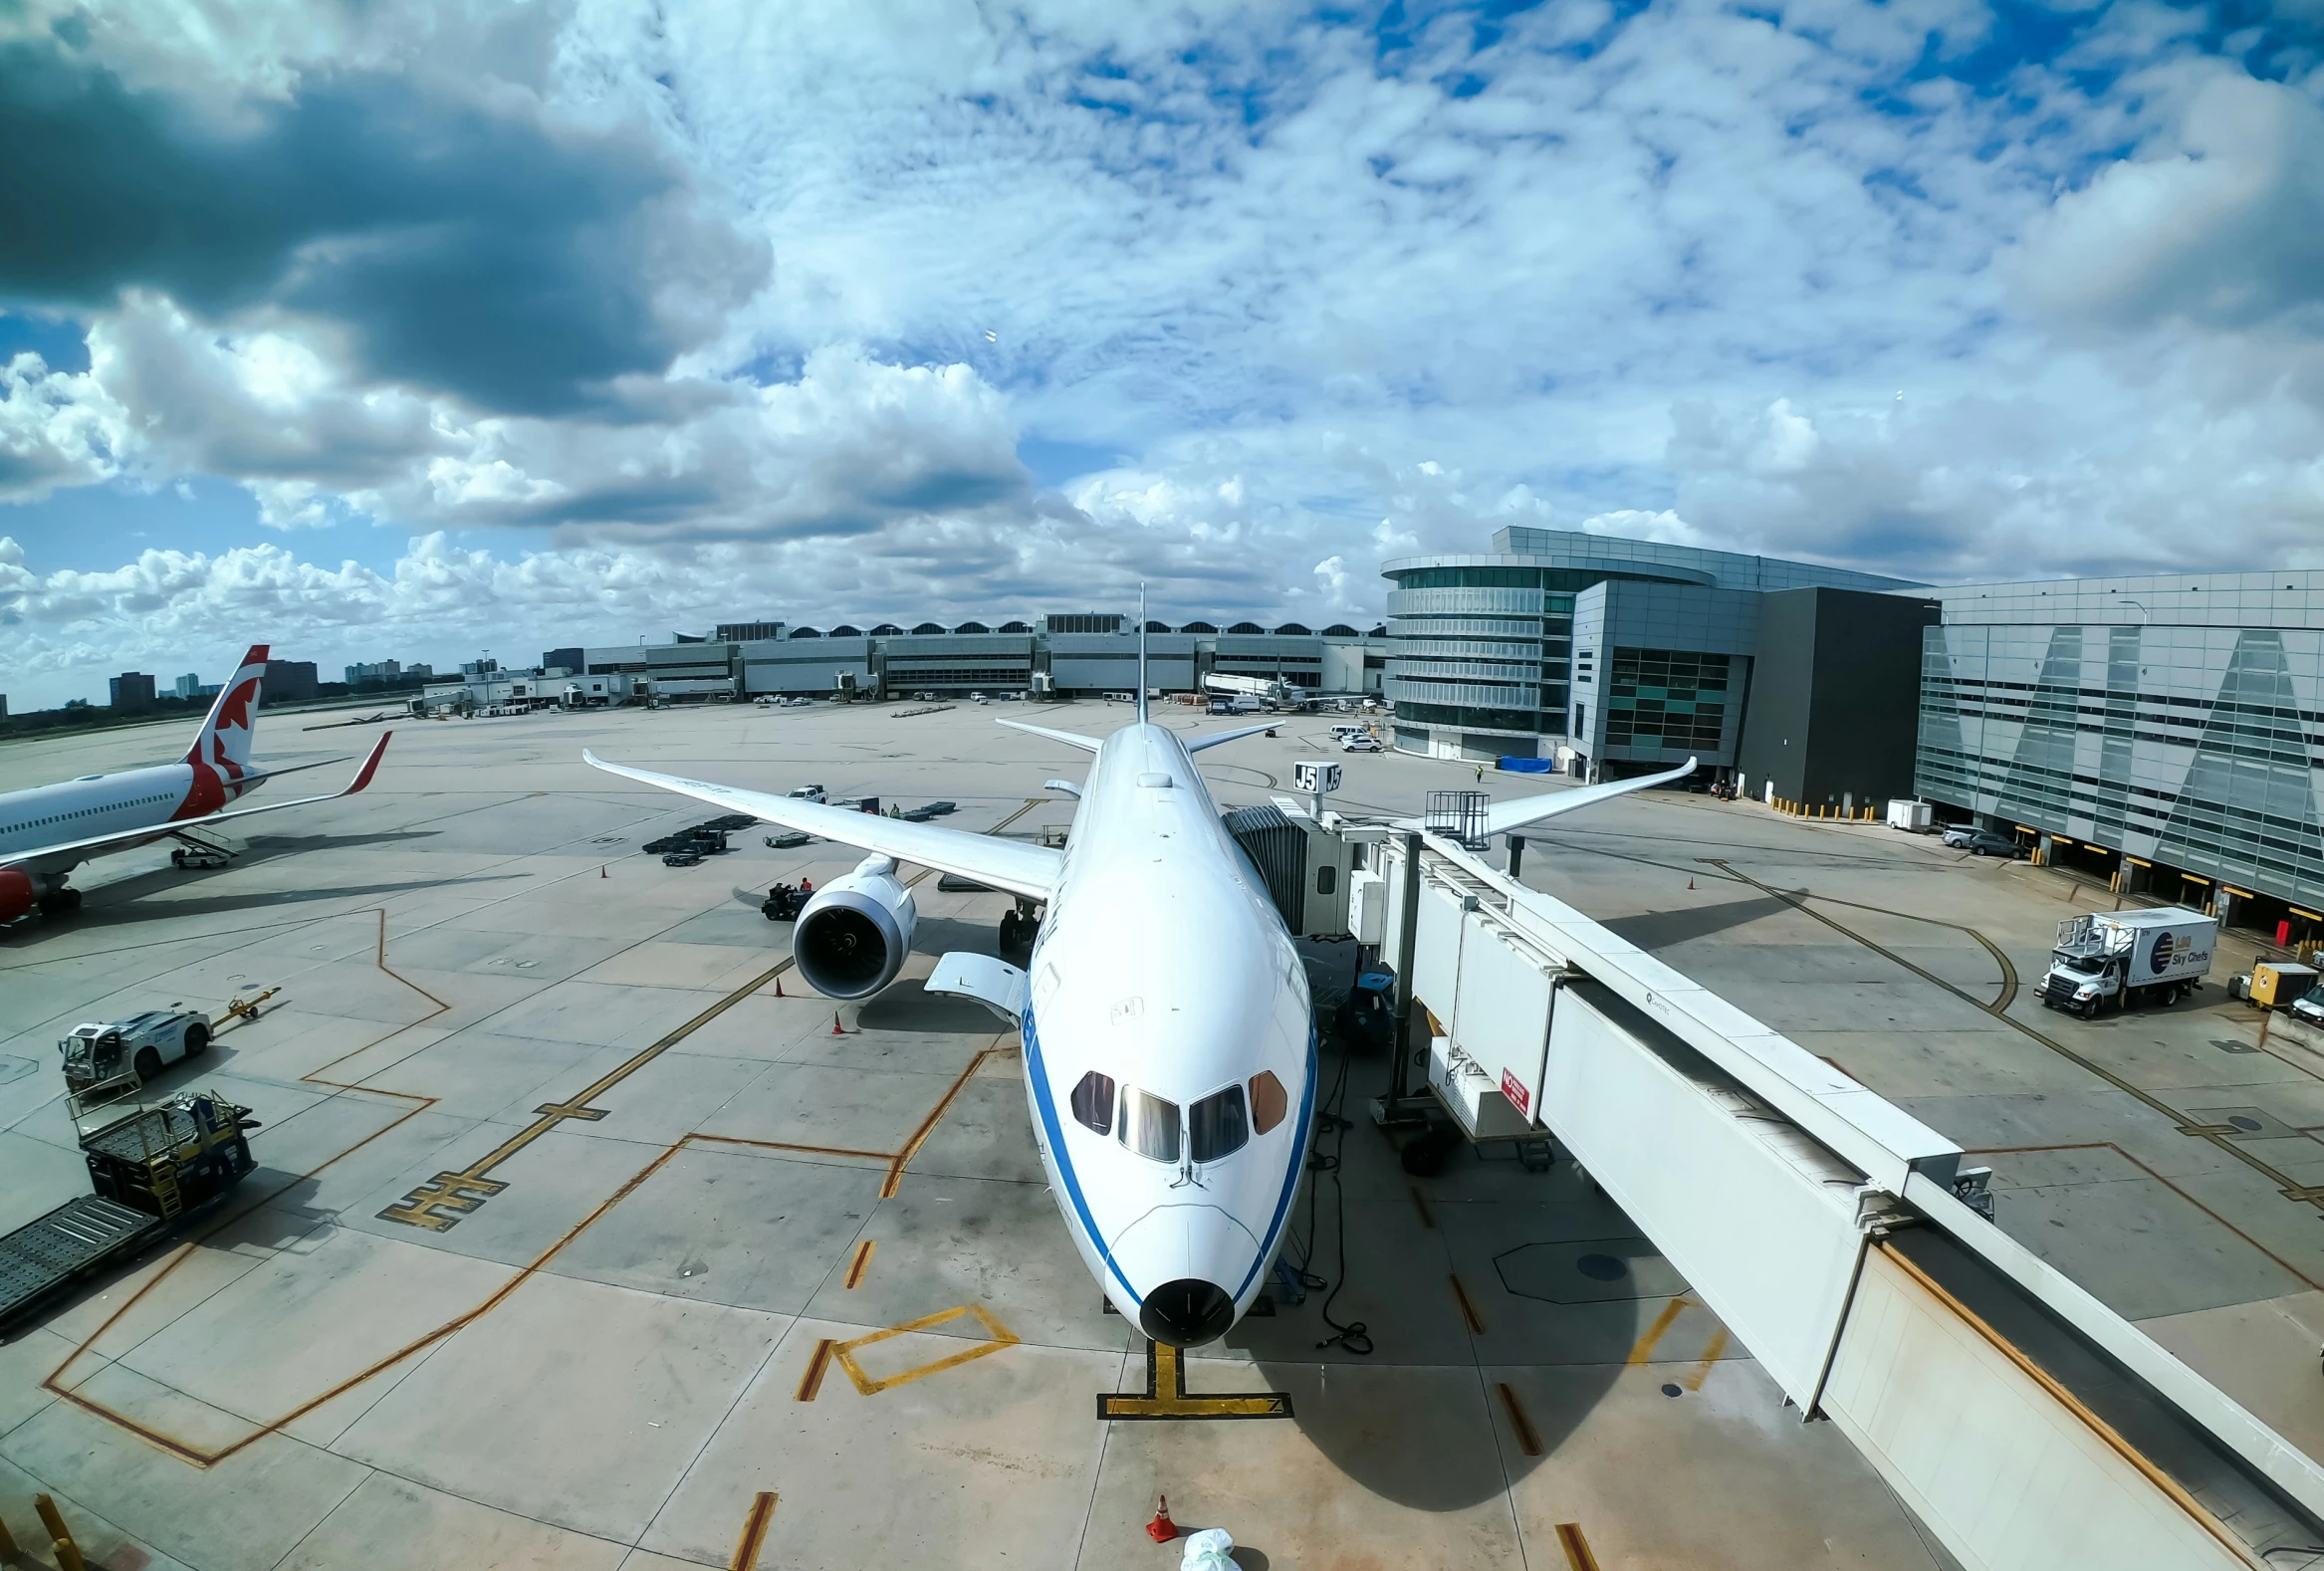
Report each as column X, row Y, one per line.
column 2118, row 959
column 150, row 1170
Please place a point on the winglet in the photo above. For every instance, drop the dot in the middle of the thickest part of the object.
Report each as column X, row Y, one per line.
column 371, row 764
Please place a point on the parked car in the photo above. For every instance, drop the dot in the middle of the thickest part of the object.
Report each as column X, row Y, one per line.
column 1360, row 742
column 807, row 794
column 1985, row 842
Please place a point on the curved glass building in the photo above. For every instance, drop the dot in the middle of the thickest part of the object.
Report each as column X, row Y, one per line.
column 1520, row 650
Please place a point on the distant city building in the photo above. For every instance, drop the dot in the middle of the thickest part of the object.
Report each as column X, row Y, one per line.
column 132, row 690
column 384, row 671
column 187, row 685
column 3, row 706
column 288, row 681
column 481, row 667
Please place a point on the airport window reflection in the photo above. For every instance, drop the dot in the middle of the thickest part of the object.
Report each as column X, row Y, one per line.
column 1269, row 1102
column 1216, row 1127
column 1093, row 1102
column 1149, row 1125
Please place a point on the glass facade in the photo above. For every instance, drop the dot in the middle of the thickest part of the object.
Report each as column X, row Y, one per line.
column 1483, row 650
column 1671, row 700
column 2192, row 748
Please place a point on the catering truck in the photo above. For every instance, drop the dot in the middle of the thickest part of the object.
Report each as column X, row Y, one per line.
column 2115, row 959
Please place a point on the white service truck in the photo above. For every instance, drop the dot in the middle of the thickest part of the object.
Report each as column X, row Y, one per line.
column 143, row 1043
column 2115, row 959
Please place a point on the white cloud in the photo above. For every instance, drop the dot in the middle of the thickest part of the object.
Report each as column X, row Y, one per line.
column 57, row 429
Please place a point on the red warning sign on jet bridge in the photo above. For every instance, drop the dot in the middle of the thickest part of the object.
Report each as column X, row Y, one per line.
column 1515, row 1090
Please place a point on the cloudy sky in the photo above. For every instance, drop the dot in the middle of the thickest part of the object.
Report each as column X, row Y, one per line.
column 384, row 330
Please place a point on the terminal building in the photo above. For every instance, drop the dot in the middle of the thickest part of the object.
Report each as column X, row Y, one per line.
column 2163, row 731
column 1612, row 656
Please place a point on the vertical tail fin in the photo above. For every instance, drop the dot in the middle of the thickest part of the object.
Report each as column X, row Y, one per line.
column 1141, row 654
column 223, row 744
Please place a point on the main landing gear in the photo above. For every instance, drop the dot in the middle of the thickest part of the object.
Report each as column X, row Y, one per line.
column 61, row 900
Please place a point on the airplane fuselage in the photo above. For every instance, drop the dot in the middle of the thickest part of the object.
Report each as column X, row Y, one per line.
column 118, row 803
column 1169, row 1047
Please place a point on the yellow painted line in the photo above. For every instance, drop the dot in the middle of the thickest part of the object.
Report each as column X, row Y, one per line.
column 1166, row 1397
column 1712, row 1352
column 1469, row 1313
column 1576, row 1547
column 1527, row 1442
column 746, row 1551
column 2310, row 915
column 1644, row 1350
column 863, row 1260
column 844, row 1352
column 812, row 1381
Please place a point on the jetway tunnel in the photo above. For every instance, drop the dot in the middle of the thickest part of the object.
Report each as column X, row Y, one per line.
column 1838, row 1238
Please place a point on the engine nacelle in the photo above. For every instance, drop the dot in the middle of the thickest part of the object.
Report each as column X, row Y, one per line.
column 852, row 937
column 17, row 894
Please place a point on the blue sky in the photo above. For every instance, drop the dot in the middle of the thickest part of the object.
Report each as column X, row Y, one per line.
column 402, row 331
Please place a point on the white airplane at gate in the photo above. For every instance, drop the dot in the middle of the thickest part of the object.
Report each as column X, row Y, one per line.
column 49, row 830
column 1170, row 1054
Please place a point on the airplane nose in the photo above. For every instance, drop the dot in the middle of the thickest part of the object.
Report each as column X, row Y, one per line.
column 1186, row 1312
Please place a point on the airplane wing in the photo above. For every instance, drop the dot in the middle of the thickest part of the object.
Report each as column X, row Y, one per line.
column 1029, row 870
column 1197, row 743
column 98, row 844
column 1504, row 816
column 1071, row 739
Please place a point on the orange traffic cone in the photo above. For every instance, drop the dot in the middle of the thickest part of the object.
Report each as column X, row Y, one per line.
column 601, row 869
column 837, row 1028
column 779, row 987
column 1690, row 883
column 1162, row 1529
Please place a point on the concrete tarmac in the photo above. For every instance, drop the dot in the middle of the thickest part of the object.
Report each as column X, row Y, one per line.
column 582, row 1227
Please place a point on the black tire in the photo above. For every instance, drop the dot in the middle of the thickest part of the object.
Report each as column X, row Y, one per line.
column 148, row 1065
column 177, row 858
column 198, row 1040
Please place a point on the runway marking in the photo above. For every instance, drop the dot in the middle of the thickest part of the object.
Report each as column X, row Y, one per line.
column 1713, row 1351
column 861, row 1263
column 2217, row 1136
column 1469, row 1313
column 1643, row 1349
column 844, row 1352
column 816, row 1366
column 440, row 1202
column 199, row 1457
column 1576, row 1547
column 1166, row 1396
column 1527, row 1442
column 745, row 1550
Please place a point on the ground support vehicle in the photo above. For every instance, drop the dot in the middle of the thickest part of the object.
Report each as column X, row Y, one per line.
column 142, row 1045
column 788, row 840
column 2116, row 959
column 150, row 1170
column 784, row 903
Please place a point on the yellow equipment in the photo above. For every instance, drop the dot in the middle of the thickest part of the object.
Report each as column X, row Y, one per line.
column 2281, row 985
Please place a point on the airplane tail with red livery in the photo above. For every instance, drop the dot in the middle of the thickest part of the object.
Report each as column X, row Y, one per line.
column 223, row 747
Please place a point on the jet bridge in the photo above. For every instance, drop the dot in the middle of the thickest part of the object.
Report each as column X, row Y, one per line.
column 1837, row 1237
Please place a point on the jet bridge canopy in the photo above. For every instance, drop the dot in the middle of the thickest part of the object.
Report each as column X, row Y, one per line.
column 1840, row 1239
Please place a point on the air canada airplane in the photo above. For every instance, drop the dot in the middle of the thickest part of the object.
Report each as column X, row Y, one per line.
column 49, row 830
column 1170, row 1052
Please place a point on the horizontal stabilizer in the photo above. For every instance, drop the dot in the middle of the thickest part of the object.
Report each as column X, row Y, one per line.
column 1071, row 739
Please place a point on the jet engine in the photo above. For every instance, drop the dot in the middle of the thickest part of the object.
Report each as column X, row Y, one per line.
column 16, row 894
column 852, row 937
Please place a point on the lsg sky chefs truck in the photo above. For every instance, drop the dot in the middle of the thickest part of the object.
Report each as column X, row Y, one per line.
column 2114, row 959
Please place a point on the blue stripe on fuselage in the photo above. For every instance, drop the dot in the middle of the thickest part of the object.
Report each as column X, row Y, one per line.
column 1038, row 1074
column 1283, row 1205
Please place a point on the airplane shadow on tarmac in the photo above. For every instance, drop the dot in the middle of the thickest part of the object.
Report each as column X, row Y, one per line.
column 1652, row 930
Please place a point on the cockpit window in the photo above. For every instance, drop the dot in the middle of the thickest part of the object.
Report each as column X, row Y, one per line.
column 1149, row 1125
column 1093, row 1102
column 1268, row 1104
column 1216, row 1127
